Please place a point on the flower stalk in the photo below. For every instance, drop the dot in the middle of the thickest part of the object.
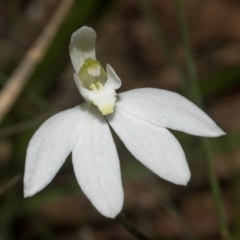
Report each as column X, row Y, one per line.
column 130, row 228
column 196, row 97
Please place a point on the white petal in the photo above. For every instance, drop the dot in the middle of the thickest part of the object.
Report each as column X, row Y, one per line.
column 168, row 109
column 50, row 146
column 82, row 46
column 154, row 146
column 96, row 166
column 113, row 81
column 104, row 98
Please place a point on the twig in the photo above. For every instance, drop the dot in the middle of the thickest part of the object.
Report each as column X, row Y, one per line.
column 20, row 76
column 130, row 228
column 10, row 183
column 24, row 126
column 159, row 34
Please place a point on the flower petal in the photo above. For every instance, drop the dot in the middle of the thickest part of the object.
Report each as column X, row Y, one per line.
column 82, row 46
column 50, row 146
column 153, row 146
column 168, row 109
column 113, row 81
column 96, row 165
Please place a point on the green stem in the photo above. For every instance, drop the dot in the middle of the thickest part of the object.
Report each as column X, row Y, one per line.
column 193, row 78
column 196, row 96
column 130, row 228
column 159, row 34
column 152, row 185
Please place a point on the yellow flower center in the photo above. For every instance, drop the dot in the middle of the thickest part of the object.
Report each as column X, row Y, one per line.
column 92, row 75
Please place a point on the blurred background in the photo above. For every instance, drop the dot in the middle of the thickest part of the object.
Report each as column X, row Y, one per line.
column 142, row 41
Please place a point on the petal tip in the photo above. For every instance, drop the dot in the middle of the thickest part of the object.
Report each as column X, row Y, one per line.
column 222, row 133
column 185, row 179
column 113, row 213
column 30, row 191
column 185, row 183
column 114, row 209
column 27, row 193
column 83, row 30
column 218, row 133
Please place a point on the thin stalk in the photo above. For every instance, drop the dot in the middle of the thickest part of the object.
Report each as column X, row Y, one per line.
column 196, row 96
column 192, row 72
column 170, row 207
column 159, row 34
column 130, row 228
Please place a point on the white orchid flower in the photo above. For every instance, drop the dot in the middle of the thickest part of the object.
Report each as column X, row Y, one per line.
column 140, row 118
